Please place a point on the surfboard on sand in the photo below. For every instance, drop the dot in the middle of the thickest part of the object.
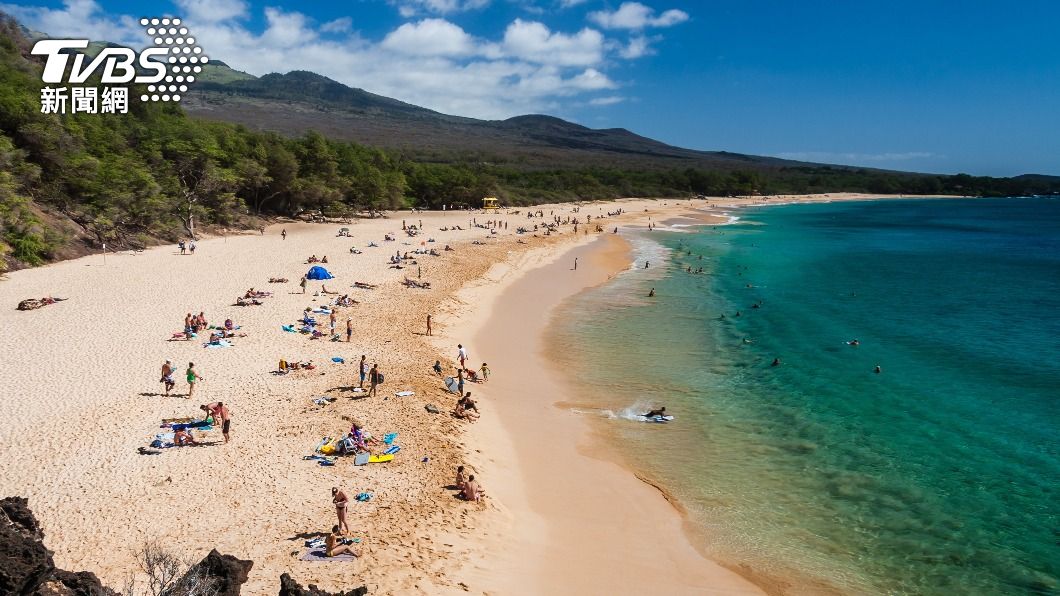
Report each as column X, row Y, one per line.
column 378, row 459
column 452, row 385
column 655, row 418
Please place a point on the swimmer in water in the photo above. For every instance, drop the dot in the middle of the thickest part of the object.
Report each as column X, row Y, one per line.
column 877, row 370
column 651, row 294
column 854, row 342
column 776, row 362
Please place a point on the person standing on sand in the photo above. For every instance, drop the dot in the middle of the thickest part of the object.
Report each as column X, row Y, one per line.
column 373, row 379
column 461, row 354
column 283, row 234
column 332, row 319
column 575, row 258
column 193, row 377
column 429, row 325
column 303, row 283
column 220, row 412
column 167, row 376
column 485, row 372
column 364, row 369
column 349, row 329
column 460, row 381
column 341, row 502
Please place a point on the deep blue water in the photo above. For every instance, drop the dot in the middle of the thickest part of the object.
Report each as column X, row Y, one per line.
column 938, row 475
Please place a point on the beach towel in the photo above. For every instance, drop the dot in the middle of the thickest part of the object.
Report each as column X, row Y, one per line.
column 392, row 450
column 364, row 497
column 405, row 393
column 318, row 555
column 288, row 328
column 338, row 360
column 389, row 438
column 220, row 344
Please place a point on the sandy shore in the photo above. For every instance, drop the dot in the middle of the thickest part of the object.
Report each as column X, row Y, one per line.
column 80, row 394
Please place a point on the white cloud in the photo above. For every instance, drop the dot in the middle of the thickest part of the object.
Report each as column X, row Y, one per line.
column 211, row 11
column 79, row 19
column 636, row 16
column 570, row 3
column 410, row 8
column 855, row 158
column 532, row 41
column 339, row 25
column 638, row 46
column 430, row 37
column 609, row 100
column 431, row 62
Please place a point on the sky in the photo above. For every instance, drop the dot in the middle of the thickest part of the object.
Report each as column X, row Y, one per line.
column 918, row 85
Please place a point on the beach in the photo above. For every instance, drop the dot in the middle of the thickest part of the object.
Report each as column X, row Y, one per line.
column 81, row 395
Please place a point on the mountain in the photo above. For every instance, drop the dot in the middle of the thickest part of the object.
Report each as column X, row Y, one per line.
column 292, row 103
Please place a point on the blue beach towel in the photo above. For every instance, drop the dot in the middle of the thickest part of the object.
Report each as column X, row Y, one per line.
column 389, row 438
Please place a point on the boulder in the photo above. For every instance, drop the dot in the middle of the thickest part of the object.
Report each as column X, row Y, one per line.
column 289, row 587
column 24, row 562
column 223, row 574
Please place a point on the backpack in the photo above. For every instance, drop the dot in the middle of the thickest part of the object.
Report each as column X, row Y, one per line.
column 379, row 378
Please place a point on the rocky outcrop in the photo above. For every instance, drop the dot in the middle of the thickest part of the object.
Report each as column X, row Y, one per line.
column 289, row 587
column 27, row 567
column 223, row 575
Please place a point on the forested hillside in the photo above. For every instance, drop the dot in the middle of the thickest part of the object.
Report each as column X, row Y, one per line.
column 71, row 183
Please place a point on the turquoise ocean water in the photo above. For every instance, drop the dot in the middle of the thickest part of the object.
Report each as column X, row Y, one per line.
column 939, row 475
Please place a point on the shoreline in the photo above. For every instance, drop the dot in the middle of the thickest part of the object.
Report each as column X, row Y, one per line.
column 92, row 362
column 581, row 523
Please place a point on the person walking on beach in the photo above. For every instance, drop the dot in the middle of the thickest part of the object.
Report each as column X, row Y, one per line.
column 349, row 329
column 193, row 377
column 303, row 283
column 485, row 372
column 373, row 379
column 341, row 502
column 461, row 354
column 167, row 376
column 332, row 319
column 429, row 325
column 283, row 234
column 364, row 369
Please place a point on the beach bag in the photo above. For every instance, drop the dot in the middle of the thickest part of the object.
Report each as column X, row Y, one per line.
column 347, row 445
column 379, row 379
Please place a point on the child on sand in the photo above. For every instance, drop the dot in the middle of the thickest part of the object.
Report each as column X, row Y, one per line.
column 485, row 372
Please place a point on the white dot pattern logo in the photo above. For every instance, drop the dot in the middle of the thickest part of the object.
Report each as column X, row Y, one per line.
column 169, row 34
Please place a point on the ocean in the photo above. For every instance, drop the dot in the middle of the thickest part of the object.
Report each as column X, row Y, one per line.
column 937, row 475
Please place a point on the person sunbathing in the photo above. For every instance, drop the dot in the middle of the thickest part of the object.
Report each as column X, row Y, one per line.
column 466, row 409
column 472, row 491
column 324, row 290
column 312, row 259
column 334, row 547
column 182, row 438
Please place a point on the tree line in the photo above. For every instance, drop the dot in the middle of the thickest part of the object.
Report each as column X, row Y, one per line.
column 155, row 174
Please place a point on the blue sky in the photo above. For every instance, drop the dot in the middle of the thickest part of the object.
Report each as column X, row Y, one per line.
column 945, row 87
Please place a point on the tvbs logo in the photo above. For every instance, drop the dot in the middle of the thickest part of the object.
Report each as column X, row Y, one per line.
column 167, row 68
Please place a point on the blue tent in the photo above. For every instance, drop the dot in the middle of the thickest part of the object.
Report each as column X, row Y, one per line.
column 319, row 272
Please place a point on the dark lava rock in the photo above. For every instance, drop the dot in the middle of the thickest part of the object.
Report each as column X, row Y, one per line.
column 289, row 587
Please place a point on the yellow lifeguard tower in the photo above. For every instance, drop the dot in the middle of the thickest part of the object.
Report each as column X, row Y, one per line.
column 489, row 204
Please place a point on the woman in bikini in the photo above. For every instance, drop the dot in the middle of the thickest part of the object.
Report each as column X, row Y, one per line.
column 334, row 548
column 341, row 502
